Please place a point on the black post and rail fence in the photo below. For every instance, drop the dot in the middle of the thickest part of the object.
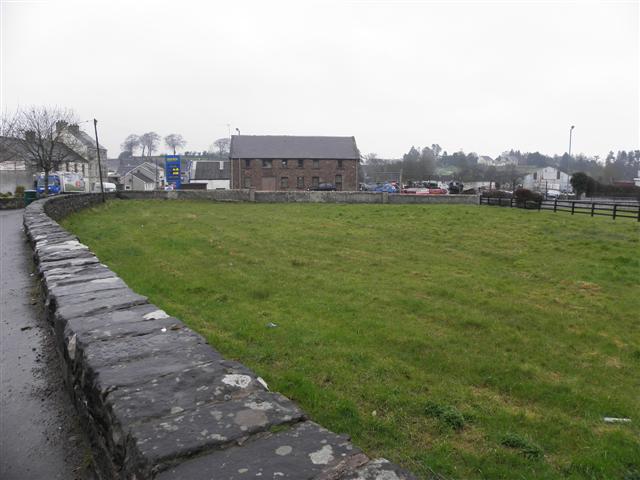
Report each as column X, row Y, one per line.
column 605, row 209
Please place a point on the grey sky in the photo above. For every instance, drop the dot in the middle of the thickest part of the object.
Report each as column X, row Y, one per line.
column 481, row 76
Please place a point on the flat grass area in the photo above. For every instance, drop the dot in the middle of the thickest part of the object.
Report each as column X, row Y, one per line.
column 477, row 342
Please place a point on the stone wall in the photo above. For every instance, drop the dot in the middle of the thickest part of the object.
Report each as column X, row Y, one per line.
column 301, row 197
column 157, row 400
column 11, row 203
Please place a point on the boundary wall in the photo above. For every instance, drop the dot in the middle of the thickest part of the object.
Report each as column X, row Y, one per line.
column 156, row 399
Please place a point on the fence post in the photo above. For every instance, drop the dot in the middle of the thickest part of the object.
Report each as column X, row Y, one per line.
column 639, row 212
column 593, row 207
column 555, row 205
column 573, row 207
column 615, row 207
column 511, row 202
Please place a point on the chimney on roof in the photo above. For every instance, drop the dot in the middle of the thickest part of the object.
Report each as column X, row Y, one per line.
column 74, row 128
column 60, row 125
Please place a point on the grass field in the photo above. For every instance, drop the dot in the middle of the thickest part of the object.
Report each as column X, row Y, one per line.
column 479, row 342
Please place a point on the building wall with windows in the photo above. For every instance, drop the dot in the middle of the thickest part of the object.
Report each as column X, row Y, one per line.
column 295, row 174
column 548, row 178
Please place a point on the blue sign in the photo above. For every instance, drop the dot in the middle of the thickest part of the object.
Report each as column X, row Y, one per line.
column 172, row 170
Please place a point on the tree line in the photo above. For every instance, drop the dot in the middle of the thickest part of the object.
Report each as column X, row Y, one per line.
column 148, row 143
column 435, row 163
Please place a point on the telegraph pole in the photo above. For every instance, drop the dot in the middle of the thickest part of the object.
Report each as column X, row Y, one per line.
column 95, row 128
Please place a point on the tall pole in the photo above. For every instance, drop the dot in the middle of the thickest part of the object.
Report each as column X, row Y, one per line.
column 570, row 132
column 95, row 128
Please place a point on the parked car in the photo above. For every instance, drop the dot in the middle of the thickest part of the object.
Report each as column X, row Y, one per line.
column 324, row 187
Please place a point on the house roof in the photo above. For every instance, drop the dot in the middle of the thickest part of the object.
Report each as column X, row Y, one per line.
column 14, row 149
column 143, row 177
column 212, row 171
column 283, row 146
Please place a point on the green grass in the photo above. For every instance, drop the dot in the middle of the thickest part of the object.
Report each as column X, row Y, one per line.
column 480, row 342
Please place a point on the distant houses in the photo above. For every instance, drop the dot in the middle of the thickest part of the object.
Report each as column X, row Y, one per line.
column 279, row 162
column 548, row 178
column 145, row 176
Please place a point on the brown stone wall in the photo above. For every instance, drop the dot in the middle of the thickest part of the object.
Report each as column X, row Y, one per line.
column 271, row 179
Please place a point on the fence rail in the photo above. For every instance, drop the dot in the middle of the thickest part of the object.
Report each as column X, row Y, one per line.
column 605, row 209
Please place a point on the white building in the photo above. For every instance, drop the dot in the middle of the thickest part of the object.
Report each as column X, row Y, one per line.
column 637, row 180
column 145, row 176
column 215, row 174
column 548, row 178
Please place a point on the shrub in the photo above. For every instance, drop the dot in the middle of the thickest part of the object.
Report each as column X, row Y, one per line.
column 524, row 196
column 526, row 447
column 496, row 194
column 20, row 191
column 446, row 414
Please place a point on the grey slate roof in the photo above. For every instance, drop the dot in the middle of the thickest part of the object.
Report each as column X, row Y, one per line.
column 14, row 149
column 211, row 171
column 283, row 146
column 143, row 177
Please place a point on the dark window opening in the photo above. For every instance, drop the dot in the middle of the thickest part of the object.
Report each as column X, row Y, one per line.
column 300, row 182
column 340, row 167
column 267, row 163
column 316, row 164
column 285, row 163
column 247, row 163
column 315, row 182
column 284, row 182
column 558, row 175
column 300, row 163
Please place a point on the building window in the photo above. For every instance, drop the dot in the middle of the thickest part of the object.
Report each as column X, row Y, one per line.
column 315, row 182
column 300, row 182
column 66, row 166
column 535, row 175
column 285, row 163
column 247, row 182
column 247, row 163
column 300, row 163
column 340, row 167
column 557, row 174
column 75, row 167
column 267, row 163
column 284, row 182
column 83, row 169
column 338, row 182
column 316, row 164
column 221, row 166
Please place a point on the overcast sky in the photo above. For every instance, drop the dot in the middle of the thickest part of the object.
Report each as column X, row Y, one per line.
column 479, row 76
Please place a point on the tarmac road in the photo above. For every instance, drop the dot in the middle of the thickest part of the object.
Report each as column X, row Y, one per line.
column 40, row 436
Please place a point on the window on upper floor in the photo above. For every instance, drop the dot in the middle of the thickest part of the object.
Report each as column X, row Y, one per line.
column 316, row 164
column 300, row 163
column 267, row 163
column 340, row 165
column 285, row 163
column 247, row 163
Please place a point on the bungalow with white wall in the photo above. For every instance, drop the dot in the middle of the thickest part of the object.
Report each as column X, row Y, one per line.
column 548, row 178
column 215, row 174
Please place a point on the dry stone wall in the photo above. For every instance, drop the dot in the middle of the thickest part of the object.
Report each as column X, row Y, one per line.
column 158, row 401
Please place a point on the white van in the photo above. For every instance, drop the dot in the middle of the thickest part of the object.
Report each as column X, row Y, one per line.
column 108, row 187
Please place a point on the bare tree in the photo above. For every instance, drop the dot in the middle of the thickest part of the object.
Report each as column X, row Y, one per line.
column 37, row 135
column 130, row 143
column 223, row 145
column 175, row 140
column 150, row 141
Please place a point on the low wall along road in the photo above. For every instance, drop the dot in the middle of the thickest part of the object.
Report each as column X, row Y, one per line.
column 158, row 401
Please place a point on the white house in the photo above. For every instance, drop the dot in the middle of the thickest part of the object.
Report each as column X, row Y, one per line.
column 216, row 174
column 145, row 176
column 85, row 146
column 637, row 180
column 548, row 178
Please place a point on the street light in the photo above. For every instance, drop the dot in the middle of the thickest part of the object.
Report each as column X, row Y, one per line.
column 238, row 130
column 570, row 132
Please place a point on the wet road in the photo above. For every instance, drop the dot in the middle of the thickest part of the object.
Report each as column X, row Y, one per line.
column 40, row 436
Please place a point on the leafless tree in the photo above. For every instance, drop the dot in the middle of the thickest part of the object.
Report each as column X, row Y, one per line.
column 223, row 145
column 174, row 141
column 130, row 143
column 150, row 141
column 36, row 134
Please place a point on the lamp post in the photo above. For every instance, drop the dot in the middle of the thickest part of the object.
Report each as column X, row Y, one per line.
column 570, row 133
column 95, row 128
